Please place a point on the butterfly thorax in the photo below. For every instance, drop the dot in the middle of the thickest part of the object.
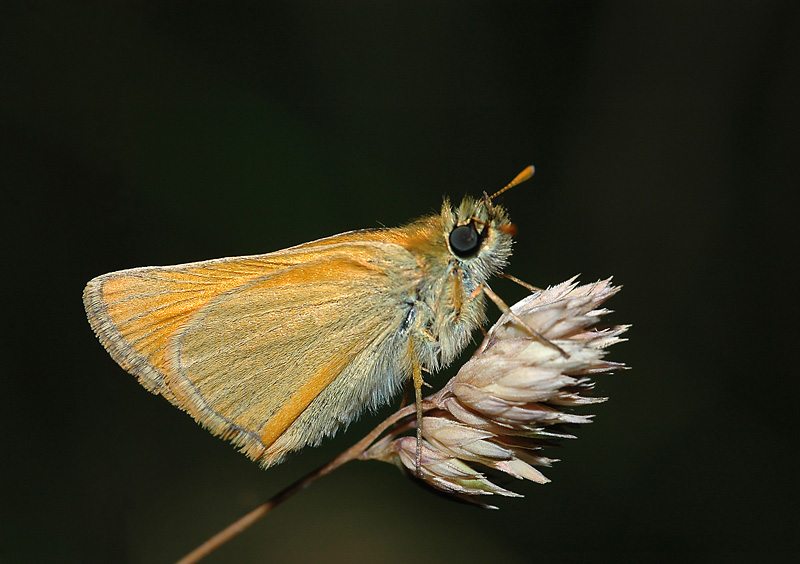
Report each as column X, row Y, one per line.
column 448, row 304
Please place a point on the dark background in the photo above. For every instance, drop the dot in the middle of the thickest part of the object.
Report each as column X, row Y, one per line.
column 664, row 136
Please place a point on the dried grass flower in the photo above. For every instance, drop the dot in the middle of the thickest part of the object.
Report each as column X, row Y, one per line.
column 510, row 400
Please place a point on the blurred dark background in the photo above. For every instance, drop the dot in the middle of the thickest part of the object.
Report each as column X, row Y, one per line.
column 664, row 136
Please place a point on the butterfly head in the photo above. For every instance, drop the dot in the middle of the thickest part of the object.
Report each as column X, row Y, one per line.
column 478, row 234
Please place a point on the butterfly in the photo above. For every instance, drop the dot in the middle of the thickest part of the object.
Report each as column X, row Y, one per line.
column 277, row 351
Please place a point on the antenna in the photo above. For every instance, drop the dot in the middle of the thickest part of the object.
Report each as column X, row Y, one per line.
column 526, row 174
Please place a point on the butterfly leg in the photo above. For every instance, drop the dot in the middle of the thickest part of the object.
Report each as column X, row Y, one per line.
column 520, row 282
column 507, row 310
column 416, row 373
column 418, row 397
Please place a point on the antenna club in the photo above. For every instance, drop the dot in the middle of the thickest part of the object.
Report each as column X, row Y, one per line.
column 526, row 174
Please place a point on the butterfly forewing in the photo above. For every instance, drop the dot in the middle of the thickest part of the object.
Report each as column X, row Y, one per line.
column 236, row 342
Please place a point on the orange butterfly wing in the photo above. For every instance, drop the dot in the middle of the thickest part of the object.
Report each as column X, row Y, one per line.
column 271, row 351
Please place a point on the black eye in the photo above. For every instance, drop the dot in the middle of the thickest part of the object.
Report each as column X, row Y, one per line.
column 464, row 240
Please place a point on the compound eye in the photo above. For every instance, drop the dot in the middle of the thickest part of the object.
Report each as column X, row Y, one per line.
column 464, row 240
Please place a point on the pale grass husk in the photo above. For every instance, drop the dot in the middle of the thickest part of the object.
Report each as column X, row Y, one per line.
column 514, row 397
